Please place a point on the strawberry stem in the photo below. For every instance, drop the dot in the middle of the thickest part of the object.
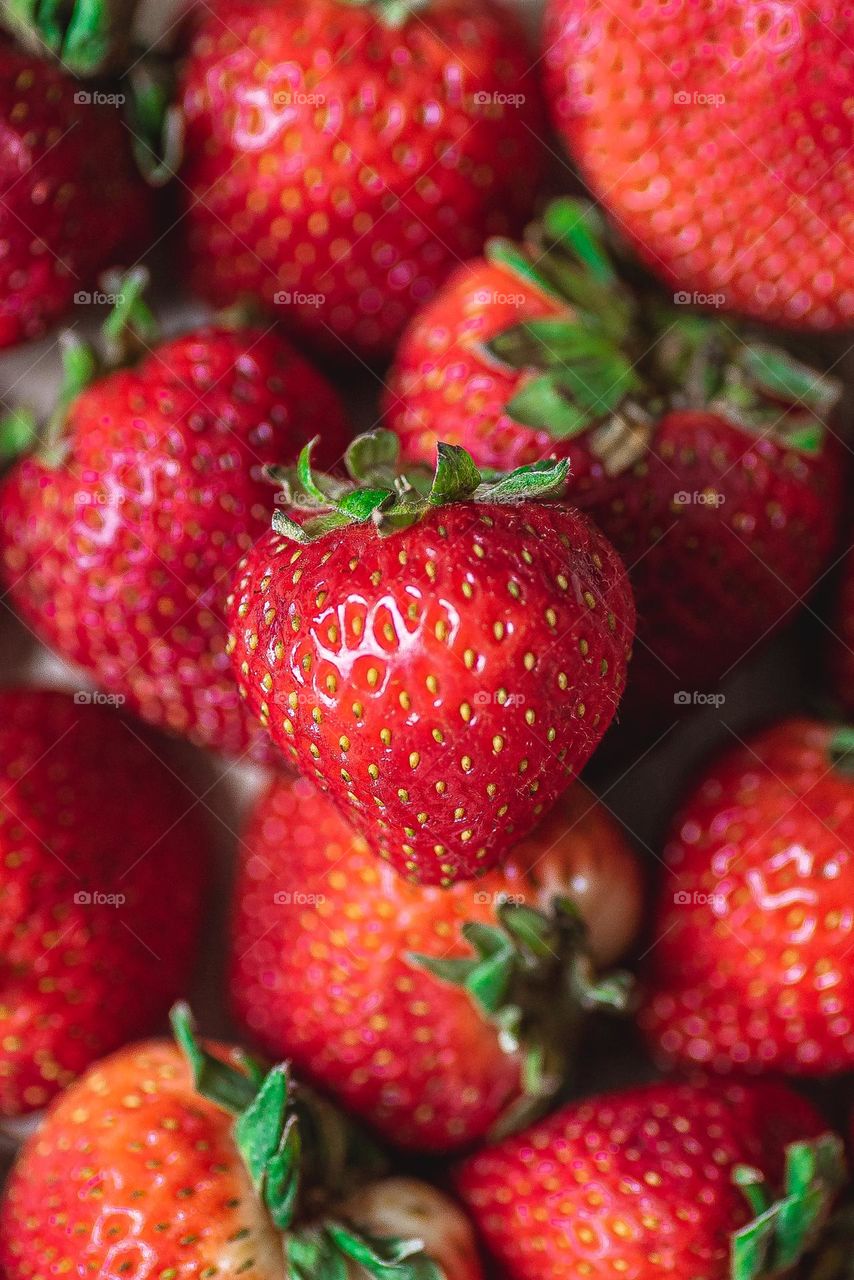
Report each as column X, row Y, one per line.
column 88, row 37
column 841, row 750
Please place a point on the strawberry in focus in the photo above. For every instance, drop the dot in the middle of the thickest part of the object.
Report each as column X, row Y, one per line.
column 92, row 827
column 369, row 986
column 669, row 1179
column 751, row 966
column 342, row 157
column 209, row 1166
column 71, row 200
column 441, row 662
column 717, row 137
column 122, row 534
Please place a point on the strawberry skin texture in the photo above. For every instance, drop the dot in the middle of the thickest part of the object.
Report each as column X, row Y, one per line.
column 752, row 972
column 841, row 656
column 88, row 809
column 717, row 137
column 120, row 559
column 444, row 386
column 443, row 684
column 71, row 200
column 333, row 157
column 635, row 1184
column 319, row 973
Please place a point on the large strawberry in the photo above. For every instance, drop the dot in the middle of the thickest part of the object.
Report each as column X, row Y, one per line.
column 705, row 459
column 443, row 665
column 122, row 535
column 71, row 201
column 665, row 1180
column 343, row 156
column 718, row 137
column 153, row 1165
column 431, row 1013
column 93, row 827
column 750, row 968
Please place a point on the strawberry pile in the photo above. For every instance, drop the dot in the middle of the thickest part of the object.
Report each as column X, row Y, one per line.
column 427, row 637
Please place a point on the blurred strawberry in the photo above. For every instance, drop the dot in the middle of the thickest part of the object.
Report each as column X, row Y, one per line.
column 342, row 157
column 841, row 655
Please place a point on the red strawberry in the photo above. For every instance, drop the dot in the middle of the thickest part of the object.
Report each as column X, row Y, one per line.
column 94, row 950
column 444, row 665
column 665, row 1180
column 119, row 556
column 706, row 461
column 343, row 157
column 717, row 135
column 751, row 965
column 71, row 201
column 842, row 639
column 140, row 1169
column 323, row 967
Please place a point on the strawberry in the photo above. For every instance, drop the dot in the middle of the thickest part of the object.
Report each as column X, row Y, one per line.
column 441, row 665
column 152, row 1164
column 707, row 461
column 717, row 136
column 369, row 984
column 121, row 538
column 751, row 969
column 841, row 656
column 669, row 1179
column 343, row 156
column 71, row 201
column 92, row 827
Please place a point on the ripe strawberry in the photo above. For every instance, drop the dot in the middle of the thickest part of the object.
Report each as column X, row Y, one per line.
column 343, row 157
column 841, row 657
column 71, row 201
column 148, row 1167
column 705, row 460
column 664, row 1180
column 717, row 136
column 119, row 556
column 751, row 967
column 92, row 828
column 445, row 683
column 432, row 1051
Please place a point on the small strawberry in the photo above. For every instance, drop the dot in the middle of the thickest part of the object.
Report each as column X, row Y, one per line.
column 718, row 137
column 705, row 460
column 153, row 1165
column 94, row 950
column 369, row 985
column 71, row 201
column 841, row 656
column 122, row 535
column 669, row 1179
column 751, row 969
column 343, row 156
column 442, row 665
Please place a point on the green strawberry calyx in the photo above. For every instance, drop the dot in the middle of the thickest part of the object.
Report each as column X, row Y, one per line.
column 841, row 750
column 301, row 1154
column 531, row 974
column 783, row 1229
column 377, row 492
column 88, row 37
column 617, row 357
column 393, row 14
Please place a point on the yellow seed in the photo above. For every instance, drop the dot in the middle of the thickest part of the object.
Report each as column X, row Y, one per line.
column 465, row 711
column 414, row 759
column 497, row 743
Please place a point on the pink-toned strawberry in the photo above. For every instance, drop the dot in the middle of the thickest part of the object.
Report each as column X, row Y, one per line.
column 209, row 1167
column 122, row 537
column 750, row 969
column 665, row 1180
column 841, row 654
column 443, row 665
column 94, row 945
column 342, row 157
column 433, row 1014
column 706, row 460
column 71, row 200
column 718, row 136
